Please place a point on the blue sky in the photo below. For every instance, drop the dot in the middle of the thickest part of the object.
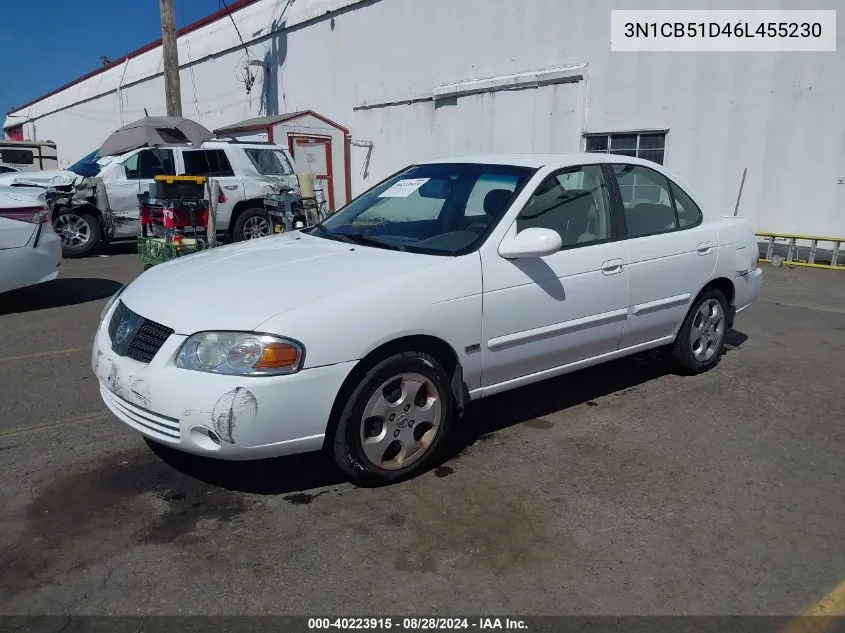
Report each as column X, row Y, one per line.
column 46, row 43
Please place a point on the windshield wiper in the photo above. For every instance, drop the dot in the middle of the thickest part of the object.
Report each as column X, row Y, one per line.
column 338, row 237
column 356, row 238
column 360, row 238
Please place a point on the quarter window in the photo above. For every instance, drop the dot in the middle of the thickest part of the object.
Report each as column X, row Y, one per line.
column 269, row 162
column 573, row 202
column 688, row 212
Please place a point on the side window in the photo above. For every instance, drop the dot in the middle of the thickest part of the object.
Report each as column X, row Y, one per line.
column 575, row 203
column 17, row 156
column 149, row 163
column 688, row 212
column 130, row 166
column 269, row 162
column 647, row 200
column 207, row 163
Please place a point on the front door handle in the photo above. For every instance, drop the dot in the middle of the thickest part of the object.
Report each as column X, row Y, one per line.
column 705, row 248
column 612, row 267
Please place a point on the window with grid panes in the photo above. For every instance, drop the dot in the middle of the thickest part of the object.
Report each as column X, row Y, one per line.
column 645, row 145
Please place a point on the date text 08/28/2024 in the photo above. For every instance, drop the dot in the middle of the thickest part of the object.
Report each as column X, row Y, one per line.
column 415, row 624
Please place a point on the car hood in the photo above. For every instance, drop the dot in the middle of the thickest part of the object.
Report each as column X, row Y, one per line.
column 46, row 178
column 239, row 287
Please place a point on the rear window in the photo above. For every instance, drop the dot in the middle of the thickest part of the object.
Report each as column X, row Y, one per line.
column 208, row 162
column 269, row 162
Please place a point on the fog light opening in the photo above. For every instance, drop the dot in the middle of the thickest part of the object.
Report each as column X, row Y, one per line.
column 205, row 438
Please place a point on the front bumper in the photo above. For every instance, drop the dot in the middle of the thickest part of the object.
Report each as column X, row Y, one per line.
column 226, row 417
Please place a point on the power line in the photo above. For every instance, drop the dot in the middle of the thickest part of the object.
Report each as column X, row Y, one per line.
column 247, row 78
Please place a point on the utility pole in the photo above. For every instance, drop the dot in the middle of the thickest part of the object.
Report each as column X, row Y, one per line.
column 170, row 54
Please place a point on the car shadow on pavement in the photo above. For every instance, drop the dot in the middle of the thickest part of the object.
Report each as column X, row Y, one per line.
column 295, row 475
column 531, row 404
column 65, row 291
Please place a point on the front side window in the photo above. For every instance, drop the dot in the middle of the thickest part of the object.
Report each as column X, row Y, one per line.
column 573, row 202
column 269, row 162
column 149, row 163
column 647, row 200
column 429, row 208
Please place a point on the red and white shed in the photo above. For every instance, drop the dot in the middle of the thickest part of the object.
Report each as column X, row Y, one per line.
column 319, row 146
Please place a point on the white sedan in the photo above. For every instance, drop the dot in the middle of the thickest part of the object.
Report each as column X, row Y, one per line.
column 450, row 281
column 30, row 251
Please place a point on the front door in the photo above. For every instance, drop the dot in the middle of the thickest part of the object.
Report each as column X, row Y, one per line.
column 314, row 153
column 544, row 313
column 672, row 252
column 130, row 179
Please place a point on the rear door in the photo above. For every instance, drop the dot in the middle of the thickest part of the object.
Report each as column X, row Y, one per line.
column 213, row 163
column 671, row 251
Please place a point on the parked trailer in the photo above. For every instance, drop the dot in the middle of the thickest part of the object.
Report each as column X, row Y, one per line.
column 29, row 155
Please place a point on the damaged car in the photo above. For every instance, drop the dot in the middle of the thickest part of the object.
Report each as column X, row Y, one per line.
column 369, row 334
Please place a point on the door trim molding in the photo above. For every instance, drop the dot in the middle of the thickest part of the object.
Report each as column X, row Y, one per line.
column 653, row 306
column 548, row 331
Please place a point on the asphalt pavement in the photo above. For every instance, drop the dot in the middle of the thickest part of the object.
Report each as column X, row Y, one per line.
column 620, row 489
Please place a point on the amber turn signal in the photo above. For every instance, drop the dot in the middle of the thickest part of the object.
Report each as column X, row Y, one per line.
column 277, row 356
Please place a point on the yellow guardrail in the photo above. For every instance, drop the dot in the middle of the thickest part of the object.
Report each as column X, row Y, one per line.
column 793, row 249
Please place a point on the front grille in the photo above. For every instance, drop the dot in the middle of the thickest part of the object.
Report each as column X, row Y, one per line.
column 145, row 338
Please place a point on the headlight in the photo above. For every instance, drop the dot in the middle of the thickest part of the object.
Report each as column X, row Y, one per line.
column 110, row 303
column 240, row 354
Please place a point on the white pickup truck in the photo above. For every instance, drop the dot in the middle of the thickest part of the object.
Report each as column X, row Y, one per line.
column 246, row 173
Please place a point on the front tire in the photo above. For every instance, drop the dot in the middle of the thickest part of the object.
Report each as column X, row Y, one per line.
column 698, row 347
column 395, row 420
column 251, row 224
column 79, row 232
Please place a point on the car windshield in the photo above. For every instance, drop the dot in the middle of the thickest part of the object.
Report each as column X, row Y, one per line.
column 442, row 208
column 86, row 166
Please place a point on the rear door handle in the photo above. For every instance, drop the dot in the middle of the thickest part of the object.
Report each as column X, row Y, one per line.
column 612, row 267
column 705, row 248
column 230, row 187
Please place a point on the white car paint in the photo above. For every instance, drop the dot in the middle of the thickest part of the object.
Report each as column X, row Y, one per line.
column 30, row 253
column 510, row 321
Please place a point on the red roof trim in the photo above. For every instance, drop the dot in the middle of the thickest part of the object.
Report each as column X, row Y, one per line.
column 234, row 6
column 285, row 119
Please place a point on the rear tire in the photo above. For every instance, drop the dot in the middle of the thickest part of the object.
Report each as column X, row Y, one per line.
column 395, row 421
column 698, row 347
column 79, row 232
column 251, row 224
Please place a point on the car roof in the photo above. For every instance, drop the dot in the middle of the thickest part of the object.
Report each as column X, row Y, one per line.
column 542, row 160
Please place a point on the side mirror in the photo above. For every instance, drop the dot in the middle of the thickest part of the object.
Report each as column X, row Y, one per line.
column 529, row 243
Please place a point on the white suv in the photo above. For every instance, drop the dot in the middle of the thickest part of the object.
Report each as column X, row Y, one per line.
column 246, row 173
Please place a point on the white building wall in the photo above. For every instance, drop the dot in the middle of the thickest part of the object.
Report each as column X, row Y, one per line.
column 779, row 115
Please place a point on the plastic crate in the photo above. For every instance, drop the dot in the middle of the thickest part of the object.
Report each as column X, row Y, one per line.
column 175, row 187
column 155, row 250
